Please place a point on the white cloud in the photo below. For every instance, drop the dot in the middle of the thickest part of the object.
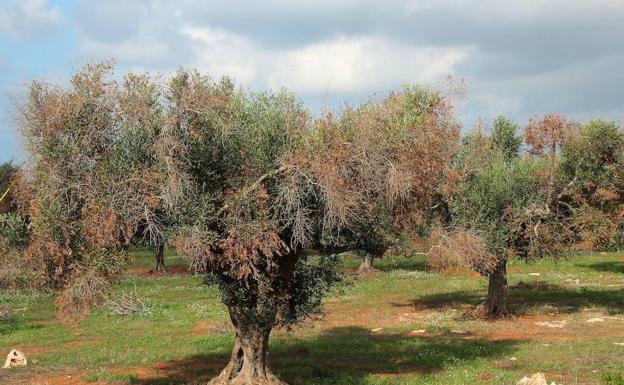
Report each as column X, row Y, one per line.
column 220, row 53
column 520, row 57
column 132, row 50
column 517, row 9
column 342, row 64
column 357, row 64
column 24, row 19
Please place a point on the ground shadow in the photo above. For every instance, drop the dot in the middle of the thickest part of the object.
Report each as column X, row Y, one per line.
column 345, row 355
column 608, row 267
column 524, row 296
column 415, row 263
column 15, row 325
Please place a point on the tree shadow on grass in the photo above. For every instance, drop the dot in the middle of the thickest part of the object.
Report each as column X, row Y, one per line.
column 608, row 267
column 524, row 296
column 346, row 355
column 14, row 325
column 414, row 263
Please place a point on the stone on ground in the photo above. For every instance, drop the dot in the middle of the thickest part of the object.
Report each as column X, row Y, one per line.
column 553, row 324
column 535, row 379
column 15, row 358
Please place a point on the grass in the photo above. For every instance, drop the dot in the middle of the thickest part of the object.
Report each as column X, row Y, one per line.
column 366, row 336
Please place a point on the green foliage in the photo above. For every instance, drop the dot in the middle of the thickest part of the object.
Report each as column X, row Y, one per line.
column 8, row 171
column 14, row 233
column 489, row 197
column 505, row 137
column 594, row 157
column 312, row 280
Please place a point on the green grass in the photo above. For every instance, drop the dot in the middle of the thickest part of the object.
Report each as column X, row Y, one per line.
column 363, row 339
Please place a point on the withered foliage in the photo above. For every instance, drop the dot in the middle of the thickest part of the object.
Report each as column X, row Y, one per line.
column 88, row 180
column 377, row 167
column 459, row 248
column 545, row 135
column 592, row 170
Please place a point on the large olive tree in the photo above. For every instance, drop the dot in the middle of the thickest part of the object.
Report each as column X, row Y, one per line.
column 244, row 211
column 257, row 182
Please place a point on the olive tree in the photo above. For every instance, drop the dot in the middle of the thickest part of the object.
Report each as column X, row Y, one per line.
column 255, row 182
column 243, row 211
column 508, row 203
column 485, row 203
column 401, row 147
column 505, row 137
column 592, row 168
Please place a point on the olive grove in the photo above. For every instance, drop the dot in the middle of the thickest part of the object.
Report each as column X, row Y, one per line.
column 260, row 195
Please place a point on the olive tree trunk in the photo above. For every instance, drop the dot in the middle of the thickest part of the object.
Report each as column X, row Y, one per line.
column 367, row 263
column 160, row 258
column 495, row 305
column 249, row 362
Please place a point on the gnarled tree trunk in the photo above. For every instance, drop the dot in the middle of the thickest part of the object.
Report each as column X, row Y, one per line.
column 160, row 258
column 367, row 263
column 495, row 305
column 249, row 360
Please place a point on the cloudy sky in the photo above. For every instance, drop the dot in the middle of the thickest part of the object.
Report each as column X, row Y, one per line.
column 518, row 57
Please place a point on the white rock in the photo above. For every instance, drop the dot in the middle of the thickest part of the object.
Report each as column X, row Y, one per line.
column 15, row 358
column 534, row 274
column 457, row 331
column 536, row 379
column 376, row 330
column 553, row 324
column 592, row 320
column 419, row 331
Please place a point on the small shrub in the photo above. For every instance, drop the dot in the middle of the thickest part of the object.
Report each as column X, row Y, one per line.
column 5, row 313
column 129, row 304
column 16, row 269
column 80, row 294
